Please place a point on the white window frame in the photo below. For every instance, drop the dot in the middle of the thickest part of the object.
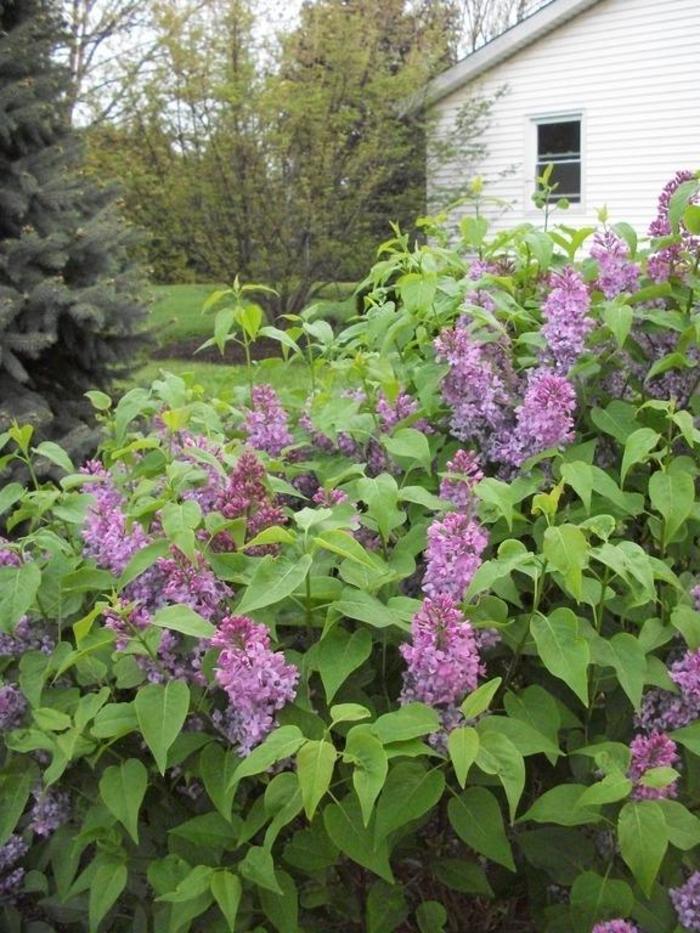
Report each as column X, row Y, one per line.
column 532, row 121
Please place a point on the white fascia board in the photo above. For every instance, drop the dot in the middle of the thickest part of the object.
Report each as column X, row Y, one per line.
column 497, row 50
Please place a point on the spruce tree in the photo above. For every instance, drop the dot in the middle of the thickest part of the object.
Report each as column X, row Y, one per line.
column 69, row 309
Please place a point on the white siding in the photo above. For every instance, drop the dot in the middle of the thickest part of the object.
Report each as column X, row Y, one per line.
column 632, row 68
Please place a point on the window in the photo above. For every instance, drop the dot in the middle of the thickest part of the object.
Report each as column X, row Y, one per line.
column 559, row 142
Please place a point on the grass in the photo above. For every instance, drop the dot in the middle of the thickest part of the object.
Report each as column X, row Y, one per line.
column 222, row 380
column 176, row 312
column 175, row 316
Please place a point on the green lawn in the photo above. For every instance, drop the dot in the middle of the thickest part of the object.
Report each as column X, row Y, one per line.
column 175, row 315
column 221, row 380
column 176, row 312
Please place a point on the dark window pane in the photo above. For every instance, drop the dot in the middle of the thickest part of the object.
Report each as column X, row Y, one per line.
column 567, row 176
column 558, row 140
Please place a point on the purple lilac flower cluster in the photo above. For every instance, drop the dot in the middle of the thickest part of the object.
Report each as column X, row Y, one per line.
column 544, row 420
column 567, row 323
column 464, row 472
column 480, row 297
column 126, row 620
column 372, row 453
column 257, row 680
column 686, row 900
column 172, row 580
column 663, row 710
column 8, row 557
column 193, row 584
column 12, row 707
column 246, row 496
column 618, row 925
column 318, row 439
column 443, row 663
column 474, row 387
column 629, row 372
column 654, row 751
column 107, row 539
column 678, row 384
column 51, row 809
column 667, row 261
column 327, row 498
column 266, row 422
column 403, row 406
column 481, row 389
column 189, row 447
column 11, row 876
column 616, row 272
column 28, row 635
column 453, row 555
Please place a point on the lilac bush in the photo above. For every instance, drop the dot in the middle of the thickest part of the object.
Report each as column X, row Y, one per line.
column 414, row 648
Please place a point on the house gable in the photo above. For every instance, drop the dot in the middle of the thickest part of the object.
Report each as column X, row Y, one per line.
column 502, row 47
column 627, row 69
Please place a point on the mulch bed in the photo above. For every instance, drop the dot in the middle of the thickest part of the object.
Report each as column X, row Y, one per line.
column 186, row 350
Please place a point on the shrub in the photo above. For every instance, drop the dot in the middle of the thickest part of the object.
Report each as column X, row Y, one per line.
column 421, row 651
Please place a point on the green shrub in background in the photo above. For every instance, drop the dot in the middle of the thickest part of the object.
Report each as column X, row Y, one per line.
column 419, row 651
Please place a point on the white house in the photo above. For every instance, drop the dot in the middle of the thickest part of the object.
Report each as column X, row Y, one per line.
column 607, row 90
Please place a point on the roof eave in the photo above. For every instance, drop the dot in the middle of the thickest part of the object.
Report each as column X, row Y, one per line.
column 524, row 33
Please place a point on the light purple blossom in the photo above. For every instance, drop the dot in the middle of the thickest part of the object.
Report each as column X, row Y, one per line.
column 616, row 272
column 453, row 555
column 172, row 663
column 661, row 225
column 8, row 557
column 544, row 420
column 257, row 680
column 567, row 323
column 665, row 711
column 474, row 387
column 107, row 538
column 347, row 446
column 390, row 413
column 50, row 810
column 487, row 638
column 403, row 406
column 618, row 925
column 193, row 584
column 443, row 663
column 126, row 620
column 12, row 707
column 686, row 900
column 481, row 298
column 667, row 261
column 481, row 267
column 653, row 751
column 327, row 498
column 187, row 445
column 28, row 635
column 266, row 422
column 458, row 485
column 318, row 439
column 10, row 877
